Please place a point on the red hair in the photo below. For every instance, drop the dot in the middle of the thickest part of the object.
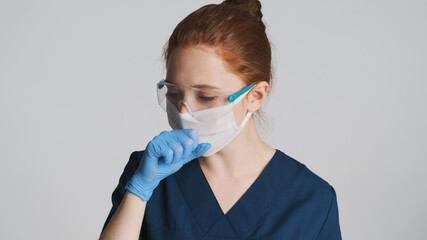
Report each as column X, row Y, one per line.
column 235, row 30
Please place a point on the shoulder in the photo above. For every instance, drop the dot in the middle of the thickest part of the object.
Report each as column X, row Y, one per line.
column 133, row 162
column 306, row 201
column 305, row 186
column 126, row 175
column 135, row 156
column 302, row 176
column 131, row 166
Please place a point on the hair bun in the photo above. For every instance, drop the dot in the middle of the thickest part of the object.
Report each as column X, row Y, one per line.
column 252, row 6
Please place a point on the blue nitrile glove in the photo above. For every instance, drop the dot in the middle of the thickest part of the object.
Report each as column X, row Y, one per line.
column 163, row 156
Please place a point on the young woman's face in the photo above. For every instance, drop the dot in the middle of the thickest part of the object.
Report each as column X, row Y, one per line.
column 201, row 67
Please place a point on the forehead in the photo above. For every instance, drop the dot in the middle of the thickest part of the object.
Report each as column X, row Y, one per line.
column 199, row 65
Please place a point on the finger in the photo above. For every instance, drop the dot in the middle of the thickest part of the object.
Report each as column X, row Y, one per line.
column 158, row 148
column 193, row 134
column 176, row 166
column 188, row 132
column 188, row 140
column 167, row 155
column 177, row 151
column 199, row 151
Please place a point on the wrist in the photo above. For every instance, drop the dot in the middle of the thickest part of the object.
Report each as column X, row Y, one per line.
column 142, row 189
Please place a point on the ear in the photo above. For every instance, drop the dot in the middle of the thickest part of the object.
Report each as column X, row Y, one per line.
column 257, row 96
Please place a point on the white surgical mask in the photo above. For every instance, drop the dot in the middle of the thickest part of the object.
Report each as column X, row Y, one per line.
column 216, row 126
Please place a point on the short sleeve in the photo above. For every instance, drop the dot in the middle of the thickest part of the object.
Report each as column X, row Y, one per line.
column 331, row 228
column 120, row 191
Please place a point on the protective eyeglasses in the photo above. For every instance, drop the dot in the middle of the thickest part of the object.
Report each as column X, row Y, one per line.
column 194, row 99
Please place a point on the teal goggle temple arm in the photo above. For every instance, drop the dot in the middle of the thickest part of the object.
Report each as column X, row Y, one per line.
column 233, row 97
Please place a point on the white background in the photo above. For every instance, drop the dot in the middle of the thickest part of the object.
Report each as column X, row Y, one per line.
column 77, row 96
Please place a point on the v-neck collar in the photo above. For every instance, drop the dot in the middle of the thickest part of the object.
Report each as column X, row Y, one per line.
column 251, row 206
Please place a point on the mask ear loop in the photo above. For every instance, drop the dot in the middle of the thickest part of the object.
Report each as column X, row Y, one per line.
column 239, row 96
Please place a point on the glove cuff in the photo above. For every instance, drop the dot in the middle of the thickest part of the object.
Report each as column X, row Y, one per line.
column 144, row 191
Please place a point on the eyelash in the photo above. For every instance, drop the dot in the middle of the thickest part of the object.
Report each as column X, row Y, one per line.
column 203, row 98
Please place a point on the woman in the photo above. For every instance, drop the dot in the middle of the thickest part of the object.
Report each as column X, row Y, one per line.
column 212, row 177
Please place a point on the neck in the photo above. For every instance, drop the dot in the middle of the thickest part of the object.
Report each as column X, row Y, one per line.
column 244, row 156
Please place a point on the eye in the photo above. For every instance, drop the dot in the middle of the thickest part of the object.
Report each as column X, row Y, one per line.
column 206, row 98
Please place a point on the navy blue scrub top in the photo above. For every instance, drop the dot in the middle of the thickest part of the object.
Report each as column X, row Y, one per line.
column 286, row 201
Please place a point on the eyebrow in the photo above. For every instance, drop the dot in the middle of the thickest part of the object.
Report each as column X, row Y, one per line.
column 200, row 86
column 205, row 86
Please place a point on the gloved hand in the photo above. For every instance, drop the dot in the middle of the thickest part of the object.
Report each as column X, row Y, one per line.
column 163, row 156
